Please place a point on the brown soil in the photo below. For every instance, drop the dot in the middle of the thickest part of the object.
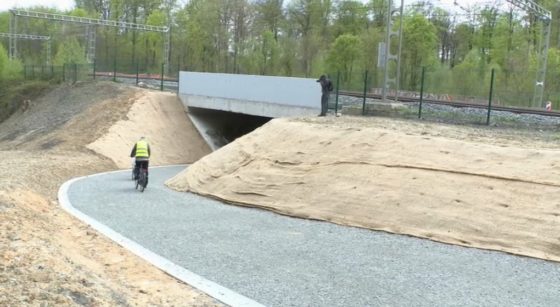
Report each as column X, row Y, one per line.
column 477, row 187
column 48, row 257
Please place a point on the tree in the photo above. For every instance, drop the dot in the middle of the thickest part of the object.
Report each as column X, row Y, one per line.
column 379, row 9
column 70, row 51
column 488, row 18
column 343, row 55
column 442, row 21
column 241, row 19
column 350, row 17
column 310, row 18
column 269, row 15
column 461, row 43
column 419, row 48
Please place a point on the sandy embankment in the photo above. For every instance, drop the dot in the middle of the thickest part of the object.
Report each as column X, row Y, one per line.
column 49, row 258
column 490, row 191
column 159, row 117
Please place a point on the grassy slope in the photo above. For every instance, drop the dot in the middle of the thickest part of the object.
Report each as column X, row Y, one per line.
column 13, row 93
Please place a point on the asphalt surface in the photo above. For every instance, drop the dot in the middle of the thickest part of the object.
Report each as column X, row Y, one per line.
column 281, row 261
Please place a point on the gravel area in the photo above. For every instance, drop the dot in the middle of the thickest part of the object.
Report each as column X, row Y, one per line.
column 168, row 86
column 56, row 108
column 448, row 114
column 282, row 261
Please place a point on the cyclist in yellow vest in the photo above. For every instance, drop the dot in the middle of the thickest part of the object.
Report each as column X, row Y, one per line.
column 141, row 152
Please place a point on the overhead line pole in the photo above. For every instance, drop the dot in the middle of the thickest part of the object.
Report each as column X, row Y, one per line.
column 392, row 77
column 13, row 37
column 92, row 23
column 545, row 16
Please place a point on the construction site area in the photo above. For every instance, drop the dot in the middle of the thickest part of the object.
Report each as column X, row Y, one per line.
column 487, row 188
column 431, row 176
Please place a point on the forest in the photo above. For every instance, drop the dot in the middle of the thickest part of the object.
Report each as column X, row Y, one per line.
column 457, row 45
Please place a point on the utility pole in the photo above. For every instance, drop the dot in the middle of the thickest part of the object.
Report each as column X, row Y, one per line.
column 545, row 16
column 391, row 79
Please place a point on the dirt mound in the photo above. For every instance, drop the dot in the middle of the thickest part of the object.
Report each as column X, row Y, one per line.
column 48, row 257
column 34, row 127
column 161, row 118
column 458, row 185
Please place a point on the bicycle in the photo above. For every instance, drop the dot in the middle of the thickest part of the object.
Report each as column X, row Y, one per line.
column 142, row 179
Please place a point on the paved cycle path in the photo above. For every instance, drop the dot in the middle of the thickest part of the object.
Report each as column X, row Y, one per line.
column 282, row 261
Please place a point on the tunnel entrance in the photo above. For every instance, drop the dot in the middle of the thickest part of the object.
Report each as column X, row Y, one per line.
column 219, row 128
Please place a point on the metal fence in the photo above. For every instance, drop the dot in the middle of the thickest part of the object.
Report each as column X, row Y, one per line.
column 492, row 99
column 73, row 73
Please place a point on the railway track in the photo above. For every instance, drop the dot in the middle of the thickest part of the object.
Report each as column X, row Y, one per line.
column 457, row 104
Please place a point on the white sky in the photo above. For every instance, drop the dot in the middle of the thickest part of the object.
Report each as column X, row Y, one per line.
column 60, row 4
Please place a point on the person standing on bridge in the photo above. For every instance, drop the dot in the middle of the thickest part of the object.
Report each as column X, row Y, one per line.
column 141, row 153
column 326, row 88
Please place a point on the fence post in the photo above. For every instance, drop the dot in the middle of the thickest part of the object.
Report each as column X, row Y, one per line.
column 490, row 97
column 161, row 86
column 52, row 71
column 64, row 72
column 137, row 72
column 75, row 72
column 94, row 67
column 179, row 65
column 337, row 88
column 421, row 92
column 365, row 92
column 115, row 69
column 33, row 72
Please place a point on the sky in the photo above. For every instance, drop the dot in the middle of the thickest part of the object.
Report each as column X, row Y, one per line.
column 60, row 4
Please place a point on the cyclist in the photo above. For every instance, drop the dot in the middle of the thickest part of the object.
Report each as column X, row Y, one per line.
column 141, row 151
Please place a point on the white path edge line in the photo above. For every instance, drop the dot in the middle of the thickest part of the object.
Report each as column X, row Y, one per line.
column 211, row 288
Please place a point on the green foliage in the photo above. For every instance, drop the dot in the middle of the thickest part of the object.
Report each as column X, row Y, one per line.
column 9, row 70
column 70, row 51
column 467, row 75
column 308, row 38
column 419, row 46
column 78, row 13
column 439, row 79
column 350, row 17
column 343, row 55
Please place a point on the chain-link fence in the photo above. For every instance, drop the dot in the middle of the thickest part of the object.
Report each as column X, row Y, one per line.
column 485, row 97
column 72, row 72
column 492, row 97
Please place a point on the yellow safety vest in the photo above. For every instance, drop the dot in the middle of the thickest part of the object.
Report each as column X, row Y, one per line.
column 142, row 149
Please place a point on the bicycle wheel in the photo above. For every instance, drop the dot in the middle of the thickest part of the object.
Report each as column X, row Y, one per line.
column 142, row 180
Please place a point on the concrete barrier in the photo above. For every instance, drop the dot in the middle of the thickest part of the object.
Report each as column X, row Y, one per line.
column 248, row 94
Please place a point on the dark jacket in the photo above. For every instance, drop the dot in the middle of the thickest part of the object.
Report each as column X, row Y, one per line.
column 326, row 84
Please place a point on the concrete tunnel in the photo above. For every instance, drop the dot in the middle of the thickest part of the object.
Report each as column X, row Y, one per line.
column 224, row 107
column 219, row 128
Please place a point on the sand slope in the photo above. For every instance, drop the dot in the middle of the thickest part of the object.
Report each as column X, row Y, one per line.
column 483, row 192
column 49, row 258
column 161, row 118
